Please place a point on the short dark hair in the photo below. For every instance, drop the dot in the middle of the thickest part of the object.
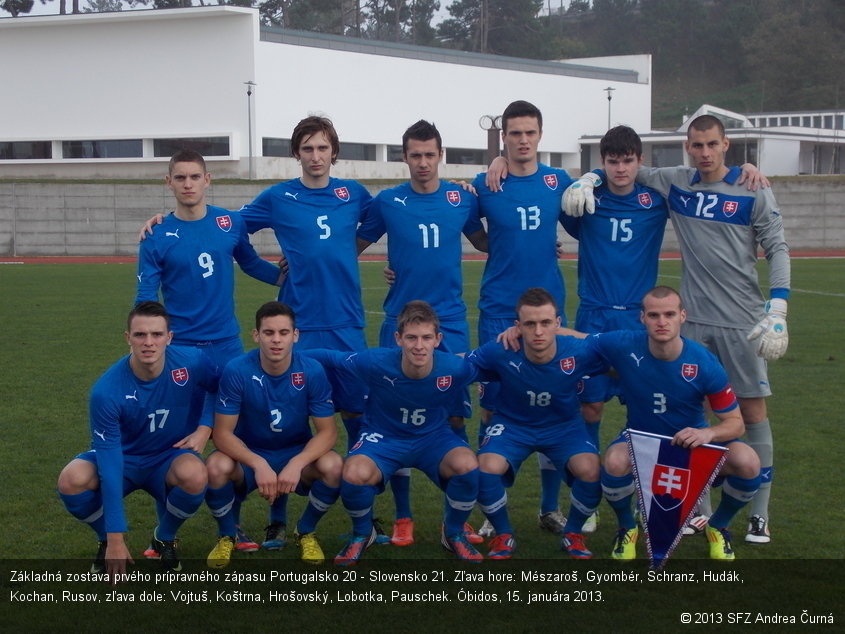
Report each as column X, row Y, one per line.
column 147, row 309
column 310, row 126
column 186, row 156
column 621, row 141
column 535, row 296
column 417, row 312
column 706, row 122
column 422, row 130
column 659, row 292
column 521, row 109
column 273, row 309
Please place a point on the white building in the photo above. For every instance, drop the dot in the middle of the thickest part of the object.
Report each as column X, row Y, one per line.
column 115, row 94
column 779, row 143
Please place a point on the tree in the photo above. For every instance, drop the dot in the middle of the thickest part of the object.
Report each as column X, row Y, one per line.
column 400, row 20
column 502, row 27
column 16, row 7
column 103, row 6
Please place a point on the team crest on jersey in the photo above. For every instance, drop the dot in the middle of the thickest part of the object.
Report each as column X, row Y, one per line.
column 645, row 200
column 567, row 365
column 689, row 371
column 342, row 193
column 729, row 208
column 551, row 181
column 454, row 197
column 297, row 380
column 669, row 486
column 443, row 383
column 224, row 223
column 179, row 376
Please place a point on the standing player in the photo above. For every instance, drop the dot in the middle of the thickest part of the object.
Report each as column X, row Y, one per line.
column 665, row 378
column 413, row 390
column 189, row 260
column 522, row 213
column 423, row 219
column 537, row 410
column 720, row 226
column 618, row 252
column 146, row 433
column 263, row 438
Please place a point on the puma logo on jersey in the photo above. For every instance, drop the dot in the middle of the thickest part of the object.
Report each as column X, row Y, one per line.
column 292, row 195
column 223, row 399
column 139, row 276
column 175, row 234
column 637, row 359
column 102, row 435
column 516, row 365
column 131, row 397
column 598, row 199
column 389, row 380
column 260, row 381
column 396, row 199
column 685, row 200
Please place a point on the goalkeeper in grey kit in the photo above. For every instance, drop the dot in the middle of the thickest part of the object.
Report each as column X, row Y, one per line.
column 719, row 225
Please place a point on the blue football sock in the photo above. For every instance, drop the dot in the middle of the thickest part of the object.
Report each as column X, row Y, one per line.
column 87, row 507
column 353, row 430
column 493, row 500
column 180, row 506
column 320, row 499
column 736, row 493
column 400, row 484
column 550, row 479
column 358, row 501
column 279, row 510
column 584, row 498
column 220, row 502
column 461, row 495
column 619, row 490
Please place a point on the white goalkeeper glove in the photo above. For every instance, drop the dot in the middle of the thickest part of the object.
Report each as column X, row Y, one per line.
column 771, row 332
column 579, row 196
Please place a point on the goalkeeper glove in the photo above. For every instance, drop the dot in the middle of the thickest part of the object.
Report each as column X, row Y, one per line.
column 771, row 332
column 579, row 196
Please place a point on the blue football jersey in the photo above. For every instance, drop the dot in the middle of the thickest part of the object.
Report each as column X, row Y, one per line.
column 619, row 247
column 191, row 261
column 273, row 411
column 522, row 224
column 316, row 230
column 424, row 245
column 538, row 395
column 664, row 397
column 132, row 417
column 397, row 405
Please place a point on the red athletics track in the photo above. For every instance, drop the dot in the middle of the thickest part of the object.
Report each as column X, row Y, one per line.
column 105, row 259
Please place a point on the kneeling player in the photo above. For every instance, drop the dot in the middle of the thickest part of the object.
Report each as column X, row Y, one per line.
column 538, row 410
column 666, row 378
column 413, row 389
column 146, row 433
column 261, row 431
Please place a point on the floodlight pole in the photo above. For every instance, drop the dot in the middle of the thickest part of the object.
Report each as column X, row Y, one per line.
column 250, row 85
column 493, row 125
column 609, row 90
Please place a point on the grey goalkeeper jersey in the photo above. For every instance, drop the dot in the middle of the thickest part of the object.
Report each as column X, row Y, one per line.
column 719, row 227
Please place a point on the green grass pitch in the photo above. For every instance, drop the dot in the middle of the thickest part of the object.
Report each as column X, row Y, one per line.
column 63, row 325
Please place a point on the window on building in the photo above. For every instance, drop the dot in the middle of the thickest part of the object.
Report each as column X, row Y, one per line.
column 838, row 122
column 666, row 155
column 126, row 148
column 784, row 121
column 741, row 151
column 394, row 153
column 796, row 121
column 275, row 147
column 465, row 156
column 25, row 150
column 807, row 122
column 357, row 151
column 556, row 159
column 207, row 146
column 828, row 122
column 817, row 121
